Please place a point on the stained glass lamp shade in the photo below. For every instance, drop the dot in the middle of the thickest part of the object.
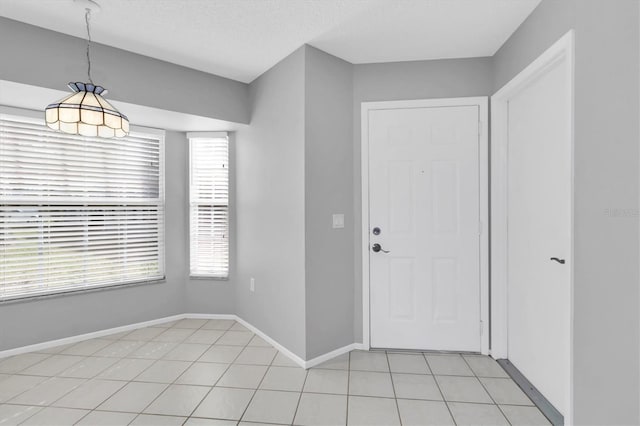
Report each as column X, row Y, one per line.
column 85, row 112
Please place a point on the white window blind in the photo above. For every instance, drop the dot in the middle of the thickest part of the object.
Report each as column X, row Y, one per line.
column 77, row 212
column 209, row 205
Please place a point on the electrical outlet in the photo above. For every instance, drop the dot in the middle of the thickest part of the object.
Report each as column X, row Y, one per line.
column 252, row 284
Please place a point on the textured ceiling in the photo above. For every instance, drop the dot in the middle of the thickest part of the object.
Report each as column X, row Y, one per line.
column 240, row 39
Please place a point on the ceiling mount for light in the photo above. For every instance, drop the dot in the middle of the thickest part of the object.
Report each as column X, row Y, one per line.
column 85, row 112
column 88, row 4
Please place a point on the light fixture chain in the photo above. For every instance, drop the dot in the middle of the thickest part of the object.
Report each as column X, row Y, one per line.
column 87, row 18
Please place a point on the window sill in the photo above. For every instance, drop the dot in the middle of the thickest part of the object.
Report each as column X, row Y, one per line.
column 207, row 278
column 80, row 291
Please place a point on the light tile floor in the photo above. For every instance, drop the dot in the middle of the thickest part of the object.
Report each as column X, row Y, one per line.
column 216, row 372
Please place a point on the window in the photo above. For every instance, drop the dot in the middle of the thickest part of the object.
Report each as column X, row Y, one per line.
column 78, row 212
column 209, row 204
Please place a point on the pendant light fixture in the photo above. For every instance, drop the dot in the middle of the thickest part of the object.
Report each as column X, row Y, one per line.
column 85, row 112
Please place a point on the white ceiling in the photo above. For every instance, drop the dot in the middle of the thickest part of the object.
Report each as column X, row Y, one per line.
column 240, row 39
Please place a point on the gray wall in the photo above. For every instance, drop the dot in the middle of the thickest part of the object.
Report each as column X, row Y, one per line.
column 447, row 78
column 44, row 58
column 606, row 178
column 144, row 81
column 328, row 190
column 270, row 202
column 35, row 321
column 56, row 317
column 293, row 171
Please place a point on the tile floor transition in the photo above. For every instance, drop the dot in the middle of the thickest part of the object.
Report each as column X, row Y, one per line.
column 216, row 372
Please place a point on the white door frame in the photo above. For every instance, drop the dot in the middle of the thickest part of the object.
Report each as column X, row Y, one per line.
column 483, row 158
column 562, row 50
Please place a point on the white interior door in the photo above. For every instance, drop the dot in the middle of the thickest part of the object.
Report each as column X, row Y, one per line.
column 424, row 198
column 539, row 228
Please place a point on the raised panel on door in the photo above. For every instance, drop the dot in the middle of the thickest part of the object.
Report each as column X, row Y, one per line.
column 446, row 285
column 424, row 196
column 401, row 297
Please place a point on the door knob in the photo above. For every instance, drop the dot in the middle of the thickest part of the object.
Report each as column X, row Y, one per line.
column 377, row 247
column 561, row 261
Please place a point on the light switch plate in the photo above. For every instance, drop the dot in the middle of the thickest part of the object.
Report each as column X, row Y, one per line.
column 338, row 220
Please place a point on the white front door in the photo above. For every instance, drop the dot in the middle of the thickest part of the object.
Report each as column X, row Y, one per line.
column 539, row 228
column 424, row 205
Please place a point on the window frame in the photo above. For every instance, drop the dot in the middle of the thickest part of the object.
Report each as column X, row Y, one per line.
column 191, row 137
column 36, row 117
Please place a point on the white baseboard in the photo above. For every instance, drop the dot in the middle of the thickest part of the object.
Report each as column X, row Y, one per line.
column 293, row 357
column 93, row 335
column 101, row 333
column 330, row 355
column 211, row 316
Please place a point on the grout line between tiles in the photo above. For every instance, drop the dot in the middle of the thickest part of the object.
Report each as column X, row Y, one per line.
column 485, row 389
column 295, row 413
column 446, row 403
column 348, row 385
column 49, row 378
column 39, row 409
column 240, row 363
column 271, row 390
column 395, row 396
column 255, row 391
